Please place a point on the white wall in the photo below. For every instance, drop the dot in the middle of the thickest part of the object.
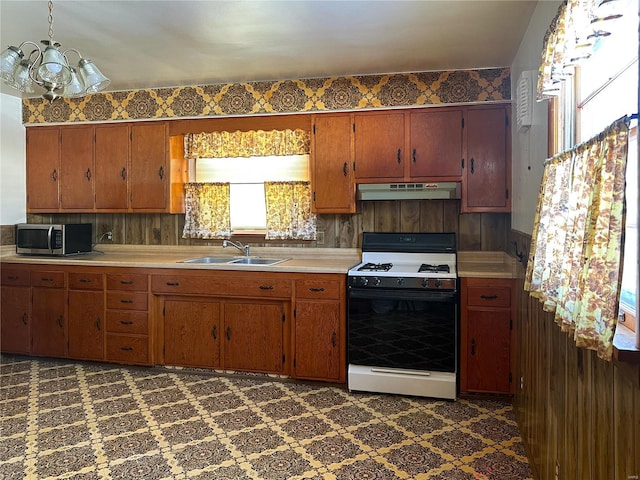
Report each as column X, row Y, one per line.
column 529, row 146
column 13, row 186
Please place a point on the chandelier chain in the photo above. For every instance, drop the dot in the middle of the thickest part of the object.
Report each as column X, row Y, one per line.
column 51, row 20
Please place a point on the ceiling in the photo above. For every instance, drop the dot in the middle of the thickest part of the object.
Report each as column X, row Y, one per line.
column 148, row 44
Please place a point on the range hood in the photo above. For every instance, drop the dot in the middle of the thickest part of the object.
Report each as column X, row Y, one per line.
column 409, row 191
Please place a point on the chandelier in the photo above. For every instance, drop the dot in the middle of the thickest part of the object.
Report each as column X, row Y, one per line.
column 50, row 69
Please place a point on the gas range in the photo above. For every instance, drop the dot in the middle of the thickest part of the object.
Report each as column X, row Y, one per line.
column 425, row 261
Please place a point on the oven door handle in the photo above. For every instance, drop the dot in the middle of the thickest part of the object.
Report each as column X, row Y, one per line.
column 399, row 294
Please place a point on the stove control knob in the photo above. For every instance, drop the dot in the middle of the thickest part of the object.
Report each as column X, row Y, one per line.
column 400, row 281
column 364, row 281
column 425, row 282
column 375, row 281
column 438, row 283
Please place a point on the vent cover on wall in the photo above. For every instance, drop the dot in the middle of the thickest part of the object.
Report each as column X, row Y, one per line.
column 524, row 104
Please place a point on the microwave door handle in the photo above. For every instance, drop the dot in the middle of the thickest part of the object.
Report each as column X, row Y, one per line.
column 50, row 237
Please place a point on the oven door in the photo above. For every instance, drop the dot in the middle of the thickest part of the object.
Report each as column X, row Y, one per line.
column 405, row 329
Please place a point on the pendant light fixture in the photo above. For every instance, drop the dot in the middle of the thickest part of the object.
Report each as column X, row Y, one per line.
column 50, row 69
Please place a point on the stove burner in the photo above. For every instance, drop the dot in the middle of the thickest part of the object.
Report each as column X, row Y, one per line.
column 425, row 267
column 376, row 267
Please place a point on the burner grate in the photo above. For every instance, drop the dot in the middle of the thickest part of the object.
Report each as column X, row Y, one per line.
column 376, row 267
column 426, row 267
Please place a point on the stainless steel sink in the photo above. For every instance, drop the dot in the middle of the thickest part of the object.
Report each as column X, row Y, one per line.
column 256, row 261
column 208, row 260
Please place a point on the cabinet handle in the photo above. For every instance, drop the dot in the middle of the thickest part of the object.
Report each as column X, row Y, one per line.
column 85, row 280
column 399, row 155
column 161, row 172
column 316, row 289
column 87, row 174
column 47, row 279
column 126, row 282
column 472, row 162
column 60, row 321
column 126, row 300
column 473, row 346
column 266, row 287
column 414, row 155
column 98, row 325
column 173, row 284
column 344, row 169
column 228, row 332
column 126, row 348
column 54, row 175
column 12, row 277
column 25, row 318
column 214, row 332
column 333, row 339
column 123, row 173
column 126, row 322
column 488, row 297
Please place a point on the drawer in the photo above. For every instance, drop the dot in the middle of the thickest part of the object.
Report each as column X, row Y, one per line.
column 490, row 296
column 316, row 288
column 127, row 348
column 47, row 279
column 85, row 281
column 127, row 301
column 127, row 322
column 222, row 285
column 136, row 282
column 14, row 276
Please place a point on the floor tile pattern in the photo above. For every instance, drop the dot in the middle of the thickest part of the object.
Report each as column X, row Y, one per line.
column 82, row 421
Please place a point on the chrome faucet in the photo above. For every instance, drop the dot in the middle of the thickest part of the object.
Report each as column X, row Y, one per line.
column 239, row 245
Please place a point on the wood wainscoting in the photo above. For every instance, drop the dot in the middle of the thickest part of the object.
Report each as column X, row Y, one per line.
column 579, row 416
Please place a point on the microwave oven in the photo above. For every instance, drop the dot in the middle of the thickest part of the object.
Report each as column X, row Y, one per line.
column 50, row 239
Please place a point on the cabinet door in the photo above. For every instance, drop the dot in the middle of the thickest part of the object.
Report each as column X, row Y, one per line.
column 86, row 324
column 192, row 333
column 317, row 340
column 43, row 168
column 333, row 183
column 111, row 159
column 254, row 336
column 149, row 174
column 436, row 143
column 48, row 329
column 379, row 146
column 14, row 319
column 486, row 186
column 488, row 351
column 76, row 168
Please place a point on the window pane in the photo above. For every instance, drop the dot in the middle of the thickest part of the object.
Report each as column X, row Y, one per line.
column 248, row 209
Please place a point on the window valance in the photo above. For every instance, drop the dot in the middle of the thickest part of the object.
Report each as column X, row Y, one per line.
column 254, row 143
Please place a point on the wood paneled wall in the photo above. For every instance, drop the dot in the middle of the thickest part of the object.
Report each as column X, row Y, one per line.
column 579, row 416
column 482, row 231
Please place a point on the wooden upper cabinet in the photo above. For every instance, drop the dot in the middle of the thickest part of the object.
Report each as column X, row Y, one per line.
column 436, row 143
column 76, row 168
column 112, row 167
column 148, row 172
column 487, row 177
column 332, row 164
column 379, row 145
column 43, row 169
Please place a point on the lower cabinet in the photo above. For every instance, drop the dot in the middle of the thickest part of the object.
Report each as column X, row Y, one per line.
column 192, row 332
column 15, row 309
column 48, row 322
column 86, row 316
column 486, row 335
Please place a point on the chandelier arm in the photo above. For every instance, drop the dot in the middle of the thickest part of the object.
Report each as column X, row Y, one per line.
column 64, row 54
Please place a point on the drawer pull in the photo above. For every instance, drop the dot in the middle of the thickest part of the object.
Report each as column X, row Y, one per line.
column 126, row 300
column 126, row 348
column 85, row 280
column 126, row 282
column 316, row 289
column 47, row 279
column 126, row 322
column 488, row 297
column 266, row 287
column 12, row 277
column 173, row 284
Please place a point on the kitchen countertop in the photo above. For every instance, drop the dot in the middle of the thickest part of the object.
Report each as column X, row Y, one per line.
column 302, row 260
